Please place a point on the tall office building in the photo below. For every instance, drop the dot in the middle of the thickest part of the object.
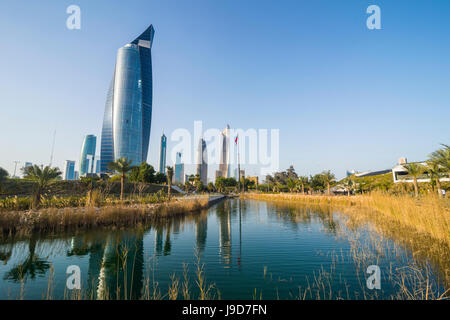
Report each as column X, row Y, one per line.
column 179, row 169
column 69, row 170
column 162, row 154
column 224, row 167
column 128, row 109
column 88, row 154
column 202, row 162
column 97, row 165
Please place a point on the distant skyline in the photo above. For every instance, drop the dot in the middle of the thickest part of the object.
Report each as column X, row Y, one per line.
column 343, row 97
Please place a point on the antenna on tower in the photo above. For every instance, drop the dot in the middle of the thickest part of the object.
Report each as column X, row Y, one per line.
column 53, row 147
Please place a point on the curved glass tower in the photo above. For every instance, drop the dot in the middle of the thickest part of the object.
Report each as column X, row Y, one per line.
column 128, row 109
column 88, row 154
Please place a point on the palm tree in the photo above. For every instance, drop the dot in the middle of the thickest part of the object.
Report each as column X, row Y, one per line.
column 121, row 166
column 442, row 158
column 303, row 182
column 414, row 170
column 169, row 180
column 290, row 184
column 434, row 171
column 348, row 184
column 328, row 178
column 43, row 178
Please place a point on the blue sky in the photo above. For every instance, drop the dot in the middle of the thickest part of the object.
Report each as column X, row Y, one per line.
column 343, row 97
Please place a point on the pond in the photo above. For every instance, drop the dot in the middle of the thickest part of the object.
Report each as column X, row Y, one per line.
column 241, row 249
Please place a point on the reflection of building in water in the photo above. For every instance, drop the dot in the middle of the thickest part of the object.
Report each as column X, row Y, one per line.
column 163, row 246
column 122, row 269
column 201, row 228
column 224, row 215
column 115, row 268
column 158, row 240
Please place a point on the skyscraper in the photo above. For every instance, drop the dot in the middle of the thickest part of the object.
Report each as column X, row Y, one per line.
column 97, row 165
column 202, row 162
column 88, row 154
column 128, row 109
column 69, row 170
column 179, row 169
column 162, row 154
column 224, row 167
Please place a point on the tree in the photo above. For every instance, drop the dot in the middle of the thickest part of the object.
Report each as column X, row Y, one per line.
column 143, row 173
column 434, row 171
column 122, row 166
column 160, row 178
column 187, row 186
column 414, row 170
column 316, row 182
column 211, row 187
column 220, row 184
column 290, row 183
column 328, row 178
column 199, row 186
column 3, row 176
column 442, row 158
column 348, row 183
column 169, row 180
column 302, row 182
column 43, row 178
column 291, row 173
column 198, row 183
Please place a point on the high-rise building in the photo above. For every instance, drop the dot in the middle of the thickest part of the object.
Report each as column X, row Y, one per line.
column 88, row 155
column 162, row 154
column 128, row 109
column 97, row 165
column 224, row 167
column 76, row 175
column 69, row 170
column 202, row 162
column 179, row 169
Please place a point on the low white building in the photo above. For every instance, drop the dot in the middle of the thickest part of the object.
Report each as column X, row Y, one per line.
column 400, row 173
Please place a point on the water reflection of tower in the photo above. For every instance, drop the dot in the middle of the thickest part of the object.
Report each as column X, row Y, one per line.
column 239, row 259
column 201, row 227
column 158, row 240
column 224, row 214
column 122, row 267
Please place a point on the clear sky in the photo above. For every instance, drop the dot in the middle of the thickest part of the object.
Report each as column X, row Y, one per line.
column 343, row 96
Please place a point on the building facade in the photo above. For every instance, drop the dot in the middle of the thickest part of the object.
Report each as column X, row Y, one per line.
column 224, row 165
column 87, row 157
column 162, row 154
column 69, row 170
column 400, row 173
column 128, row 108
column 179, row 169
column 202, row 162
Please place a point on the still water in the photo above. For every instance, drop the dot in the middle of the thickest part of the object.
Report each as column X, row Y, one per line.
column 248, row 249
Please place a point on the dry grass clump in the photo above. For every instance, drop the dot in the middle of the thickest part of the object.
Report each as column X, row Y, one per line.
column 63, row 219
column 427, row 215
